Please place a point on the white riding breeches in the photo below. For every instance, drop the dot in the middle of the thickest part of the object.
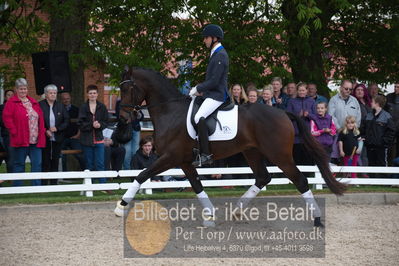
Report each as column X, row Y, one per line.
column 206, row 108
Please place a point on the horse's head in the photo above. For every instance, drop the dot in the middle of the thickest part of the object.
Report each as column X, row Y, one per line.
column 132, row 95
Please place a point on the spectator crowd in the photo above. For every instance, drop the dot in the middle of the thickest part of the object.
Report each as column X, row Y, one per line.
column 42, row 130
column 357, row 126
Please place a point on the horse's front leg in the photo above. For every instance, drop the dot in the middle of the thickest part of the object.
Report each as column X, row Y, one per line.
column 208, row 213
column 162, row 164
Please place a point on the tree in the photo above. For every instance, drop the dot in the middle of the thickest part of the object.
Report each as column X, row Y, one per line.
column 69, row 23
column 303, row 40
column 135, row 33
column 252, row 38
column 349, row 38
column 20, row 35
column 364, row 41
column 307, row 22
column 155, row 34
column 23, row 32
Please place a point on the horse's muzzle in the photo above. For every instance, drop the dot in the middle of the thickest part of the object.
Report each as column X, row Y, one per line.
column 123, row 120
column 127, row 116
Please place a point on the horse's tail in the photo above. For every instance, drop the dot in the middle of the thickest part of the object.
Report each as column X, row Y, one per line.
column 319, row 155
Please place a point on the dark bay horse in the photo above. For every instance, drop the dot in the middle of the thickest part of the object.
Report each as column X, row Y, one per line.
column 263, row 132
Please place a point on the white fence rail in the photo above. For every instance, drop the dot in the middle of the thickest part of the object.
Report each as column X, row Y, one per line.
column 88, row 186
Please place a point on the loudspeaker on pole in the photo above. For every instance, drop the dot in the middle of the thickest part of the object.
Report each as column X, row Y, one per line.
column 51, row 68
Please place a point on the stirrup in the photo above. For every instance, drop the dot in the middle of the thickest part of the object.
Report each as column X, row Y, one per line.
column 197, row 162
column 206, row 159
column 203, row 159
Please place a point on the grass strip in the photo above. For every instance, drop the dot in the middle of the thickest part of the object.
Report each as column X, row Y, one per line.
column 70, row 197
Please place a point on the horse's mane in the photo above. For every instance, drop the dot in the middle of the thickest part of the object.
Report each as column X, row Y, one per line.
column 161, row 80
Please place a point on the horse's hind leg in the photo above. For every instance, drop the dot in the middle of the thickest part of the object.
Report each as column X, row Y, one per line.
column 209, row 210
column 262, row 177
column 301, row 183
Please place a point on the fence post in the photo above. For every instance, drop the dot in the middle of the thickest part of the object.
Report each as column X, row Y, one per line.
column 87, row 181
column 318, row 178
column 148, row 191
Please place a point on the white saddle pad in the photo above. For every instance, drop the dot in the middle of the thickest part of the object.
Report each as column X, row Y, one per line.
column 228, row 120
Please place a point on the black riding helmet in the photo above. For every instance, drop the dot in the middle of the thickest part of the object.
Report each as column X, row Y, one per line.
column 213, row 30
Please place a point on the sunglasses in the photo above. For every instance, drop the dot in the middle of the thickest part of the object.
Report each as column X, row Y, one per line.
column 347, row 89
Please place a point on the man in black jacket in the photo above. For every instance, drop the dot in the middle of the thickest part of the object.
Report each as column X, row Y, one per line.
column 379, row 131
column 132, row 145
column 393, row 108
column 214, row 89
column 114, row 153
column 72, row 133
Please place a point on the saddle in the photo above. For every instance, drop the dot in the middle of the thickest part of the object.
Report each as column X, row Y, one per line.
column 212, row 119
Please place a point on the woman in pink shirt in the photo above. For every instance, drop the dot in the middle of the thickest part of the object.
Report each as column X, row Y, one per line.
column 23, row 118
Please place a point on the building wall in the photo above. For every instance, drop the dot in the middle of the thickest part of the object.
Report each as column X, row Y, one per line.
column 92, row 75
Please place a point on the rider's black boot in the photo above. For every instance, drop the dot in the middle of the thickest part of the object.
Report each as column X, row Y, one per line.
column 205, row 158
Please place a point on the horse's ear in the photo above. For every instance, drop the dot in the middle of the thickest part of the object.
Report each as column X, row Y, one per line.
column 126, row 72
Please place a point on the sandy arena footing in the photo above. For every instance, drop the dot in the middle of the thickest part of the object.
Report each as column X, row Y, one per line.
column 362, row 229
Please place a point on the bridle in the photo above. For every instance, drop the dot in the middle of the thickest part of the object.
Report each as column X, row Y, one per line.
column 137, row 108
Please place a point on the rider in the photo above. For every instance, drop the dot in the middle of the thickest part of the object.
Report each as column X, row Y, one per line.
column 214, row 89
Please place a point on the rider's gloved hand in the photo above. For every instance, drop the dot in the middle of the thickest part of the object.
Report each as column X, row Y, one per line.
column 193, row 91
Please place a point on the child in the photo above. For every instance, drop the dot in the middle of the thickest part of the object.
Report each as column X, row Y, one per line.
column 322, row 127
column 348, row 142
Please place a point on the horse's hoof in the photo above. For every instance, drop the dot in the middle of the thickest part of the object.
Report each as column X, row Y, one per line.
column 317, row 222
column 208, row 223
column 236, row 215
column 121, row 210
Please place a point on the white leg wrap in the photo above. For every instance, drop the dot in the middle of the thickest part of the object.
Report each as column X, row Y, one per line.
column 309, row 198
column 248, row 196
column 121, row 210
column 203, row 198
column 131, row 192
